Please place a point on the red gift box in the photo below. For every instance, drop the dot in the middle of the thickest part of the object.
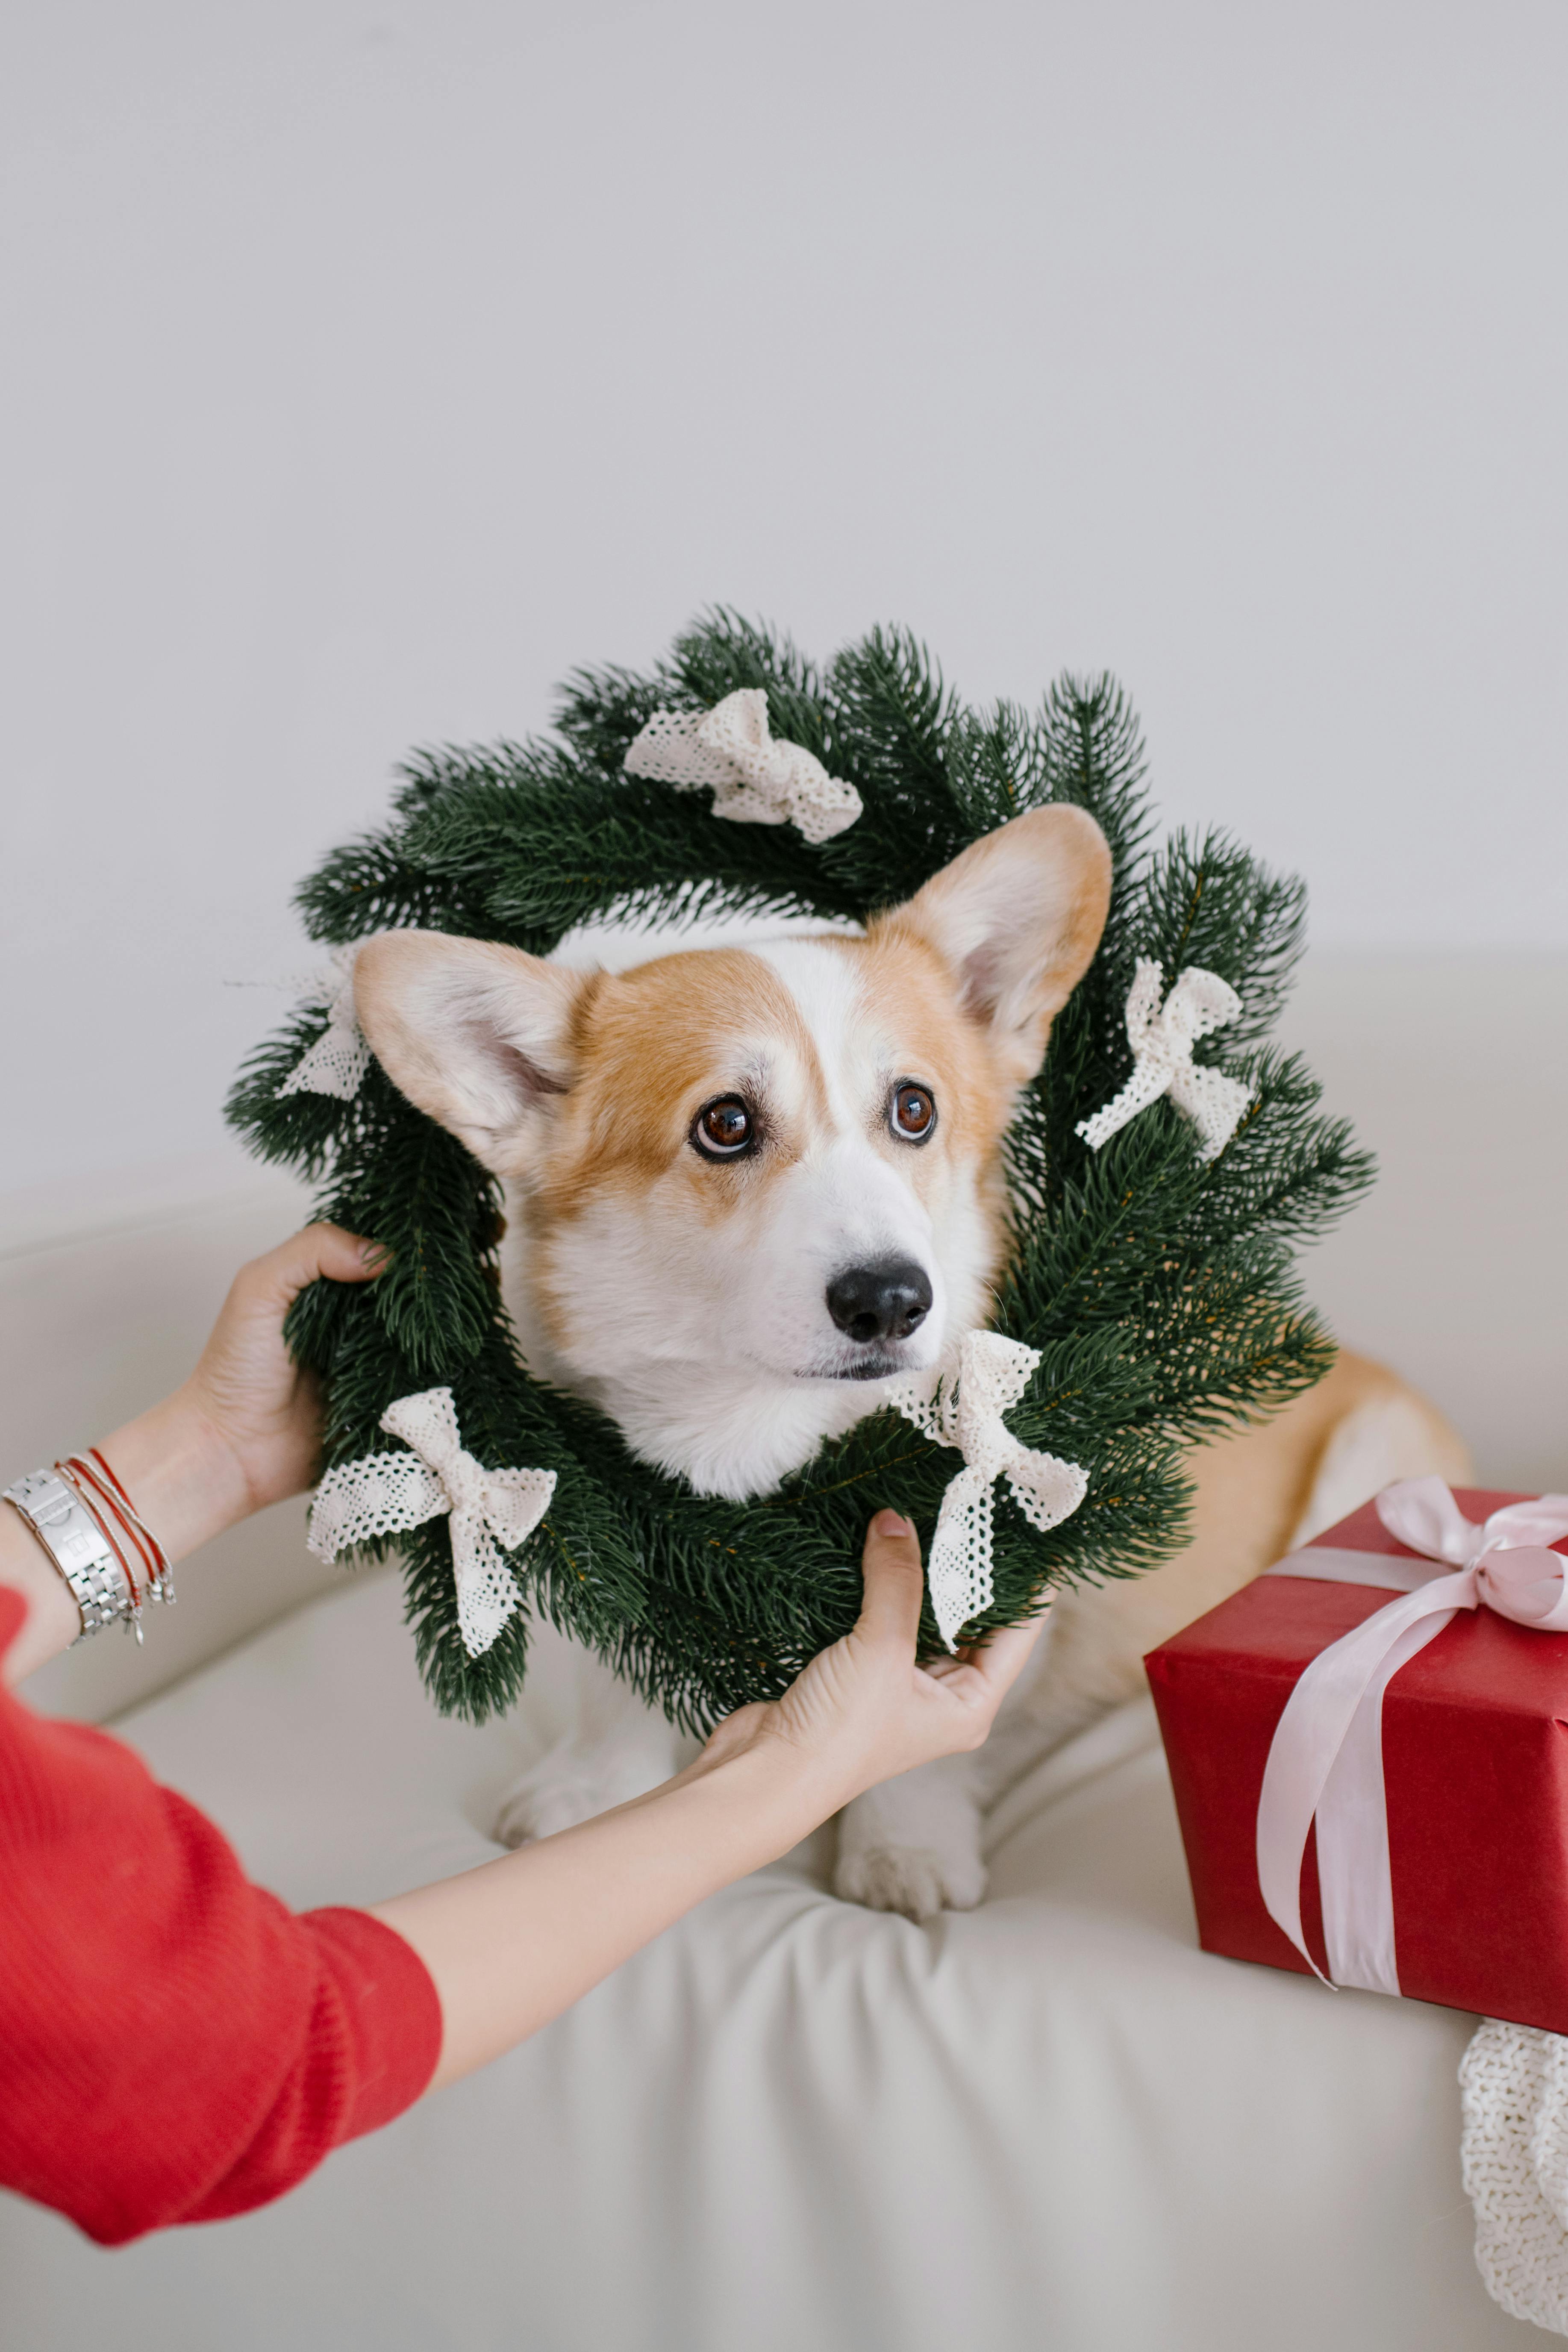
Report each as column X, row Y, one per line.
column 1475, row 1770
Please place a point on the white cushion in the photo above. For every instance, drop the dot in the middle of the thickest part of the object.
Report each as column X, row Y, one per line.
column 1052, row 2122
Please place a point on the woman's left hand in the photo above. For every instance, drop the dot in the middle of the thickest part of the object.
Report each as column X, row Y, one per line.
column 258, row 1410
column 245, row 1428
column 244, row 1431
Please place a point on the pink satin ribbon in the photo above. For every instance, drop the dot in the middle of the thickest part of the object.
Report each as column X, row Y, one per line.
column 1326, row 1762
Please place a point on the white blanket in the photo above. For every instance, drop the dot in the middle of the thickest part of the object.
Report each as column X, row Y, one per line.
column 1051, row 2122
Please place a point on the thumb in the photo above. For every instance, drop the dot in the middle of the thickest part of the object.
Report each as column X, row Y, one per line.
column 895, row 1584
column 320, row 1249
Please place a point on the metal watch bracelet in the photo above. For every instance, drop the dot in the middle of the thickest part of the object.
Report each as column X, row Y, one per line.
column 78, row 1546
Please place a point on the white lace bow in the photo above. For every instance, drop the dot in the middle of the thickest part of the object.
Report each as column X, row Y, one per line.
column 755, row 781
column 385, row 1494
column 961, row 1403
column 337, row 1062
column 1162, row 1040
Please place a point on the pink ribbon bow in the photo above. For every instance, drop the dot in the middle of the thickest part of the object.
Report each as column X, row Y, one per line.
column 1326, row 1761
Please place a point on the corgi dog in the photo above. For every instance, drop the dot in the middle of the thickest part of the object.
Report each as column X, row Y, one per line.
column 751, row 1186
column 747, row 1188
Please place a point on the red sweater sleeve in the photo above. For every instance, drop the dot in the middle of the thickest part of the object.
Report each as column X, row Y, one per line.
column 175, row 2045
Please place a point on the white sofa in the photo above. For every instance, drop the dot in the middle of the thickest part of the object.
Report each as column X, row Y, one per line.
column 794, row 2124
column 1049, row 2123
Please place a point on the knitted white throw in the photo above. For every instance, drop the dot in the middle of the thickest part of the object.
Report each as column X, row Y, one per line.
column 1514, row 2151
column 755, row 781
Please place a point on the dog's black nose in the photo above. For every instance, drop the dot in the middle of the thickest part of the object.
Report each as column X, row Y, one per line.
column 884, row 1301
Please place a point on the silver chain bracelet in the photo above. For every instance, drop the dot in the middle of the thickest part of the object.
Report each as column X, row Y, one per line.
column 78, row 1547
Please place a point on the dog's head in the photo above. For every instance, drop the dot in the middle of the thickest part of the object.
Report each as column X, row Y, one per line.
column 777, row 1163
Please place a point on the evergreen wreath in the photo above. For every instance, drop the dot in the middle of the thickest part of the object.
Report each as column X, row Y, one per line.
column 1158, row 1285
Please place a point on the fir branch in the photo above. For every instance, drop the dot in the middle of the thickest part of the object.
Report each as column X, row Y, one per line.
column 372, row 885
column 1208, row 902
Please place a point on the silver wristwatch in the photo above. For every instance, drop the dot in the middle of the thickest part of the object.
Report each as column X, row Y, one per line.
column 78, row 1546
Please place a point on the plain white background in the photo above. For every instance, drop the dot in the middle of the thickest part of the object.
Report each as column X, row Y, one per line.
column 368, row 365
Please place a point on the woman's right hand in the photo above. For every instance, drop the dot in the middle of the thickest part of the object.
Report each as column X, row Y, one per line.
column 863, row 1711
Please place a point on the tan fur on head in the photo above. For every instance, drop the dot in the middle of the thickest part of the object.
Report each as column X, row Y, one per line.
column 693, row 1297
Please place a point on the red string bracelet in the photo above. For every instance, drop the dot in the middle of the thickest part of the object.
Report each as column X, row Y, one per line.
column 105, row 1499
column 159, row 1570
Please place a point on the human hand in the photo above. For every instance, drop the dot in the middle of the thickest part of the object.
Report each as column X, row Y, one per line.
column 263, row 1406
column 245, row 1430
column 511, row 1944
column 863, row 1711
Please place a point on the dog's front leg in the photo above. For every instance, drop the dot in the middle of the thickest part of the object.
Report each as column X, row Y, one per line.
column 913, row 1843
column 575, row 1780
column 916, row 1845
column 617, row 1748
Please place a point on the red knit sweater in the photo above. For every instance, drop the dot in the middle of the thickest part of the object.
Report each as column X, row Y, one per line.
column 175, row 2045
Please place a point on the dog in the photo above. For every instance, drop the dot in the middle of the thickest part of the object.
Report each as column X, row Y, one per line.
column 747, row 1188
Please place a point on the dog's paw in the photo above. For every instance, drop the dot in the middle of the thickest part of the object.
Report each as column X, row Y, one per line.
column 580, row 1778
column 916, row 1880
column 544, row 1801
column 914, row 1844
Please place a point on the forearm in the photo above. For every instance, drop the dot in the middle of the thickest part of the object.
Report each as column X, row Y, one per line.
column 513, row 1944
column 183, row 1481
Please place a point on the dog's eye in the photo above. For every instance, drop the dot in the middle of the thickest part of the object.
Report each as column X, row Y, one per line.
column 912, row 1113
column 724, row 1130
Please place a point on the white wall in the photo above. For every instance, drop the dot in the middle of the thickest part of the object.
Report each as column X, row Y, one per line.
column 370, row 364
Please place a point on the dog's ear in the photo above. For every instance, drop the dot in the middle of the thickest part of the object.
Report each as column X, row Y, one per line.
column 1016, row 918
column 478, row 1035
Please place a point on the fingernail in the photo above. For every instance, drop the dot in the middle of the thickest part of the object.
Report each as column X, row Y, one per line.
column 891, row 1523
column 373, row 1254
